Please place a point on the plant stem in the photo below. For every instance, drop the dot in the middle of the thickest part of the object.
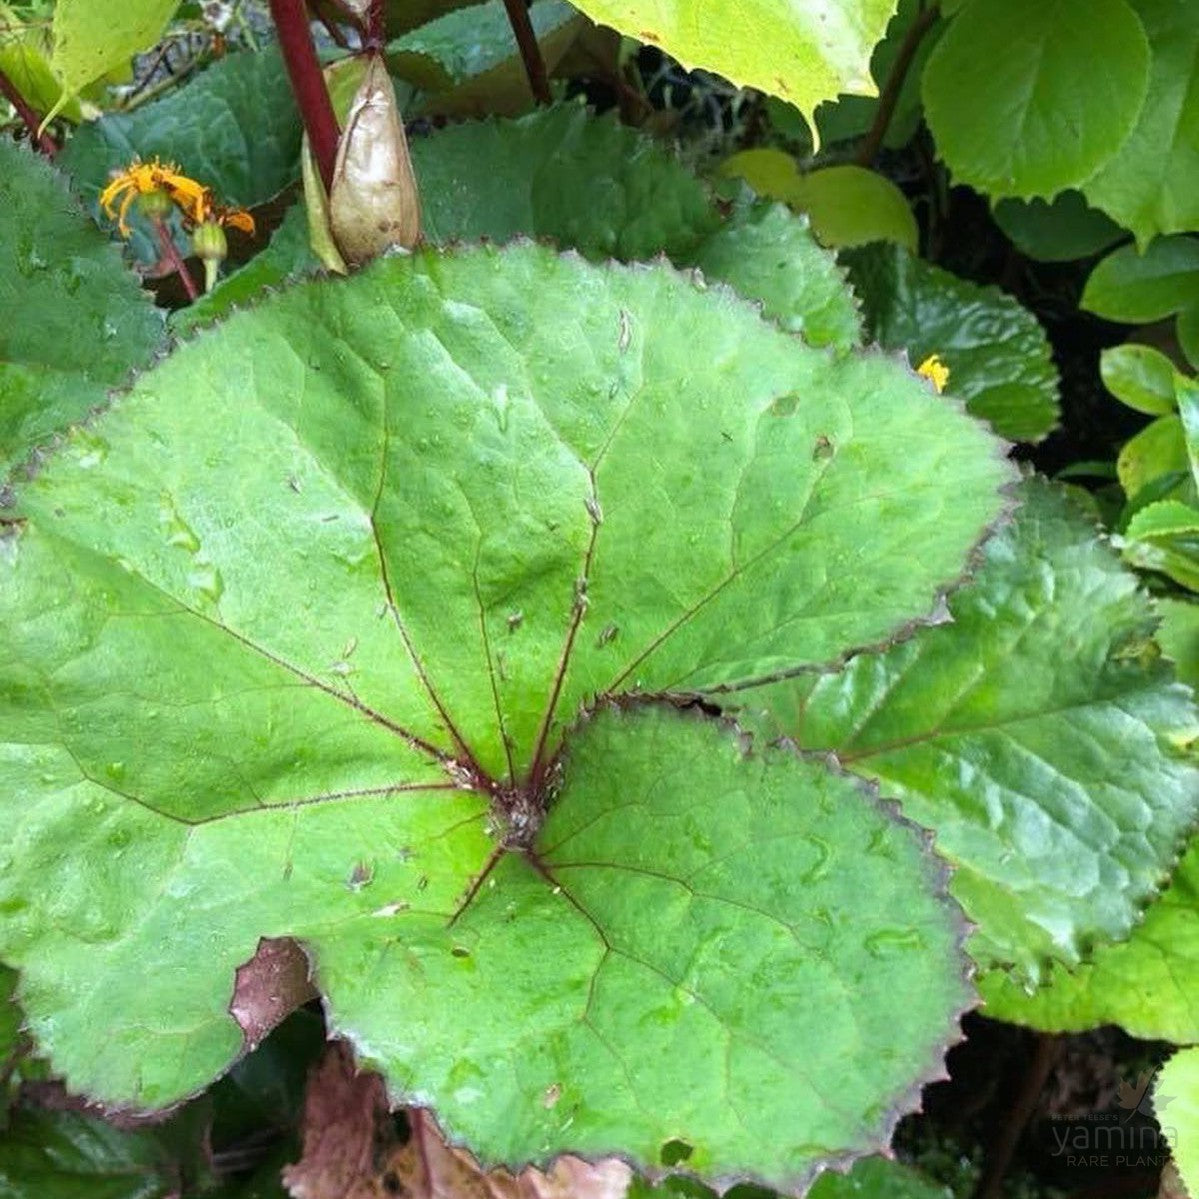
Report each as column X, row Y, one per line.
column 331, row 26
column 1048, row 1050
column 530, row 51
column 171, row 253
column 173, row 78
column 376, row 25
column 45, row 143
column 889, row 96
column 307, row 83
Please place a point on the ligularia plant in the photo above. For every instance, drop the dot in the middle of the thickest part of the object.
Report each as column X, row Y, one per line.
column 384, row 616
column 641, row 706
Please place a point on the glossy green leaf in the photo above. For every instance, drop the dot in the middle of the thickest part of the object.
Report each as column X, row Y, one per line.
column 93, row 37
column 1178, row 635
column 1164, row 537
column 1034, row 735
column 1057, row 231
column 487, row 486
column 73, row 321
column 997, row 354
column 847, row 205
column 1145, row 984
column 1151, row 186
column 468, row 62
column 1187, row 394
column 1139, row 376
column 1137, row 288
column 805, row 51
column 1026, row 98
column 234, row 127
column 1176, row 1105
column 1158, row 449
column 467, row 43
column 68, row 1155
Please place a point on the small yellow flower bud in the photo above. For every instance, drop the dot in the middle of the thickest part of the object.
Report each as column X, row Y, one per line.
column 935, row 371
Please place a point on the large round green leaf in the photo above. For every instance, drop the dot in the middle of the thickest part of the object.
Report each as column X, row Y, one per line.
column 805, row 51
column 1151, row 186
column 1027, row 97
column 73, row 320
column 1037, row 735
column 294, row 639
column 1059, row 231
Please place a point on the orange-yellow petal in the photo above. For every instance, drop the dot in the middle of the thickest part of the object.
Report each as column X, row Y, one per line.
column 239, row 218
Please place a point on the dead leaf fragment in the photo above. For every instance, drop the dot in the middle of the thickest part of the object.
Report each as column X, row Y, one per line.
column 428, row 1168
column 347, row 1133
column 350, row 1152
column 269, row 987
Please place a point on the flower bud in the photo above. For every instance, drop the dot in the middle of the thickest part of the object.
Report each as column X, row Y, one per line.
column 210, row 245
column 373, row 204
column 209, row 242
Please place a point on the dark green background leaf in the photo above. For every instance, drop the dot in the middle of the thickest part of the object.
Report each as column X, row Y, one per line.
column 73, row 321
column 998, row 356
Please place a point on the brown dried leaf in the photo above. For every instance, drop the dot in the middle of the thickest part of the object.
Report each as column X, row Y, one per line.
column 348, row 1132
column 269, row 987
column 350, row 1152
column 428, row 1168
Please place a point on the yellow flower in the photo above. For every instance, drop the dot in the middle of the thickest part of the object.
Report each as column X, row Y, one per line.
column 935, row 371
column 193, row 199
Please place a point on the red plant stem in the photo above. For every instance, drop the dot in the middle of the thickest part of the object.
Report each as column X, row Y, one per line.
column 45, row 143
column 530, row 51
column 171, row 253
column 307, row 83
column 376, row 25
